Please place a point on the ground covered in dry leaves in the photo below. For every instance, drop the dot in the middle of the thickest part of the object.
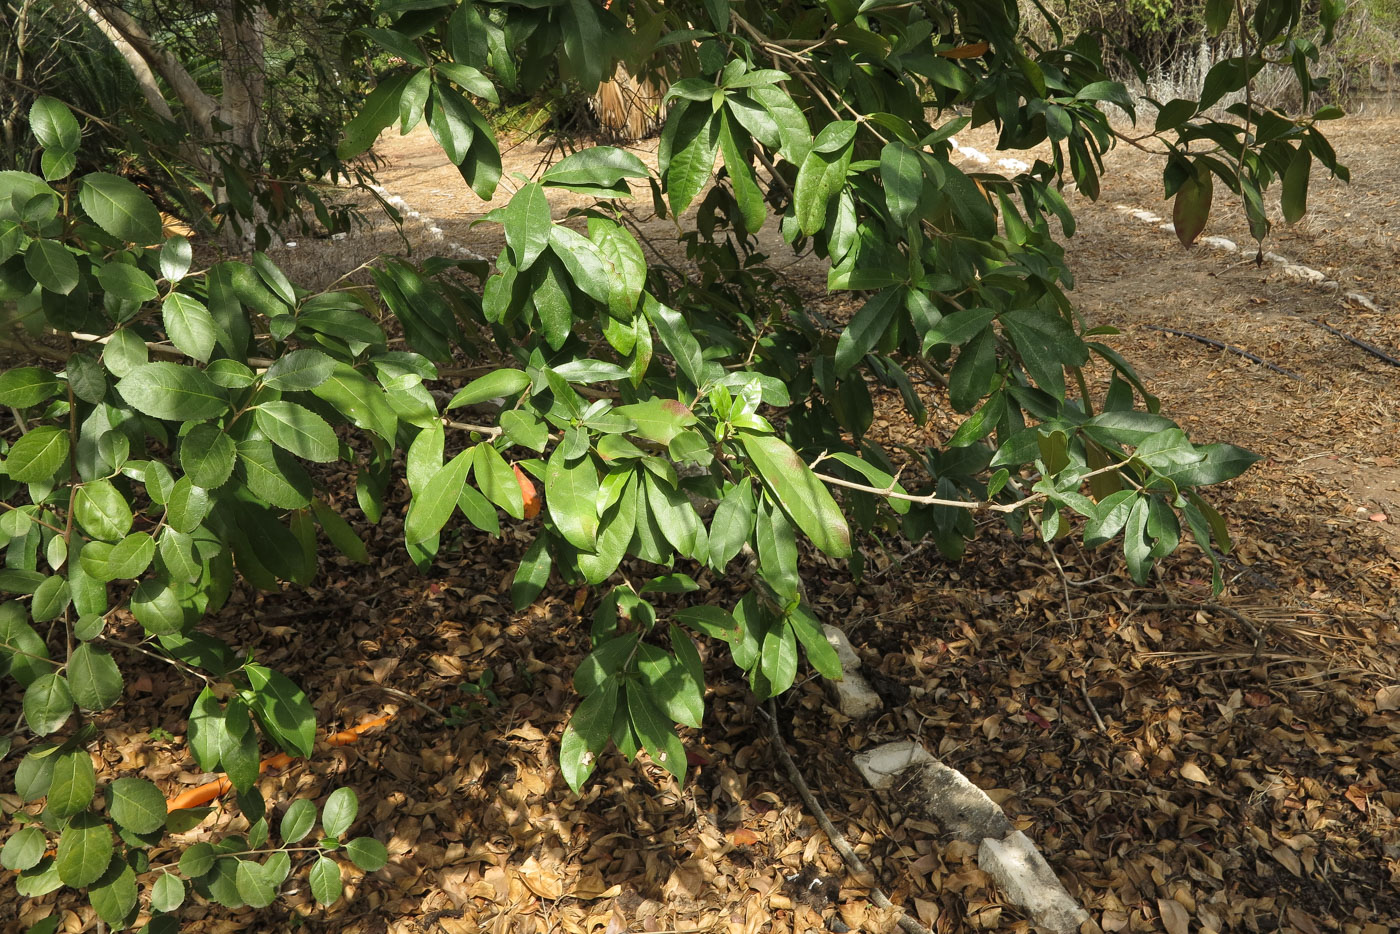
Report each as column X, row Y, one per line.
column 1185, row 763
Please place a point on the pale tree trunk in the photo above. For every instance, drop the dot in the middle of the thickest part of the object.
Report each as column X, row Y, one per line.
column 233, row 121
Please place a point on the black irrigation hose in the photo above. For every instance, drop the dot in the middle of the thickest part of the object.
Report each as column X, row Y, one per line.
column 1212, row 342
column 1371, row 349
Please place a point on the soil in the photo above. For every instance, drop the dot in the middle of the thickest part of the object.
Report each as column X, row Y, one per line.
column 1184, row 762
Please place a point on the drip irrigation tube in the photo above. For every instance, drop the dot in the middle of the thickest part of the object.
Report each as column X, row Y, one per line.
column 1240, row 351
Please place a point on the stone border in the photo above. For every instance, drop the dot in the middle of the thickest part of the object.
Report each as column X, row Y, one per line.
column 934, row 791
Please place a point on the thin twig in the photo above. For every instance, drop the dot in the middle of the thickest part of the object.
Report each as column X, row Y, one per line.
column 1084, row 689
column 838, row 839
column 491, row 432
column 973, row 505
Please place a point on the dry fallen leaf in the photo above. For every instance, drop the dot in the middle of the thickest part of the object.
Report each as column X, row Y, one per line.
column 1388, row 697
column 743, row 837
column 1192, row 773
column 1174, row 916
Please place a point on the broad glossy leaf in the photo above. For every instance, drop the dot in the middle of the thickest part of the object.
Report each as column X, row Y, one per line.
column 367, row 853
column 172, row 391
column 207, row 456
column 527, row 224
column 282, row 708
column 1191, row 209
column 136, row 804
column 48, row 703
column 571, row 493
column 339, row 812
column 84, row 850
column 903, row 177
column 380, row 109
column 802, row 495
column 298, row 430
column 113, row 896
column 190, row 325
column 325, row 880
column 497, row 481
column 24, row 386
column 72, row 785
column 432, row 507
column 867, row 326
column 52, row 266
column 35, row 456
column 120, row 208
column 498, row 384
column 94, row 678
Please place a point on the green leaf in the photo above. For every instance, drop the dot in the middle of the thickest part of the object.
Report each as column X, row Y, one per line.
column 127, row 282
column 38, row 454
column 1191, row 209
column 615, row 531
column 380, row 109
column 498, row 384
column 497, row 481
column 903, row 177
column 190, row 326
column 176, row 256
column 84, row 850
column 367, row 853
column 595, row 171
column 102, row 511
column 254, row 887
column 53, row 124
column 819, row 651
column 23, row 850
column 197, row 860
column 298, row 820
column 187, row 504
column 51, row 598
column 172, row 391
column 691, row 155
column 273, row 476
column 52, row 266
column 47, row 704
column 136, row 805
column 531, row 574
column 866, row 328
column 553, row 303
column 432, row 507
column 167, row 892
column 656, row 733
column 778, row 659
column 94, row 678
column 741, row 176
column 658, row 420
column 299, row 371
column 527, row 224
column 731, row 525
column 1219, row 462
column 207, row 456
column 325, row 880
column 802, row 495
column 283, row 709
column 339, row 812
column 298, row 430
column 571, row 493
column 113, row 896
column 1295, row 185
column 120, row 208
column 340, row 532
column 587, row 734
column 675, row 516
column 25, row 386
column 72, row 785
column 1047, row 345
column 125, row 351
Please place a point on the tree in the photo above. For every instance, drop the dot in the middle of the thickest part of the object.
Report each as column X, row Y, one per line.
column 162, row 441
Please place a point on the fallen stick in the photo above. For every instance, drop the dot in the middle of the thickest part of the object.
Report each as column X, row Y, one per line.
column 203, row 794
column 838, row 839
column 1240, row 351
column 1371, row 349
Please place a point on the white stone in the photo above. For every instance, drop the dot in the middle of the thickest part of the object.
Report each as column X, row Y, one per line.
column 1026, row 879
column 931, row 788
column 1299, row 271
column 1013, row 165
column 1363, row 301
column 1277, row 258
column 1221, row 243
column 855, row 697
